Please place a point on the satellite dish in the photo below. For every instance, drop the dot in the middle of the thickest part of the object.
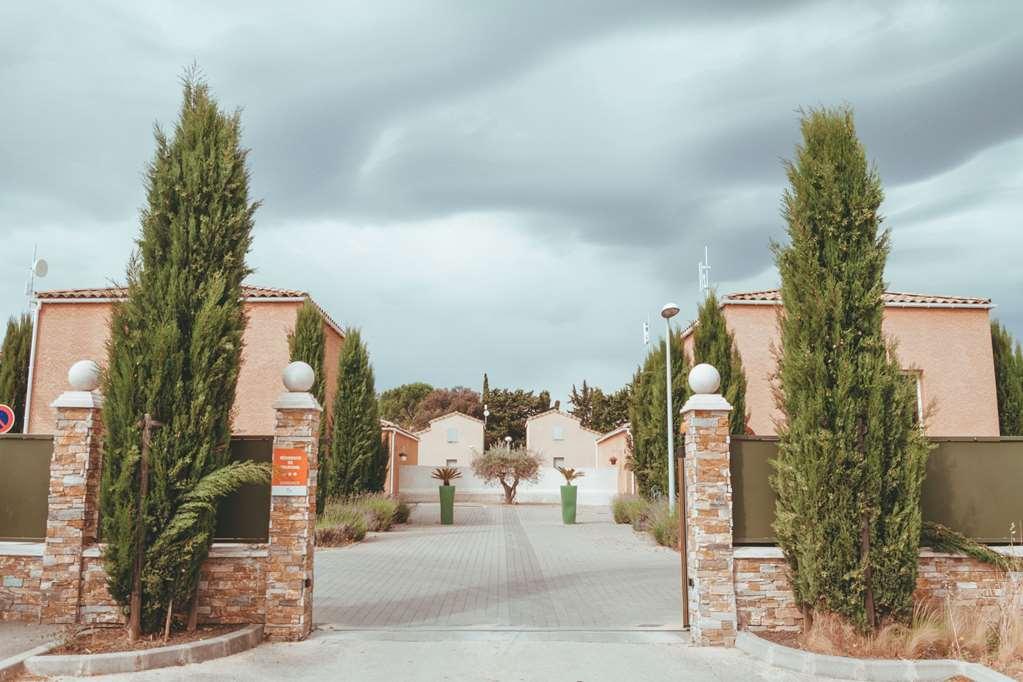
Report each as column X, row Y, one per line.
column 40, row 268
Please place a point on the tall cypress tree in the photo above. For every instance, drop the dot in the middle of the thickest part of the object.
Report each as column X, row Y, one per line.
column 1008, row 380
column 358, row 459
column 714, row 344
column 307, row 343
column 648, row 416
column 851, row 459
column 14, row 358
column 174, row 353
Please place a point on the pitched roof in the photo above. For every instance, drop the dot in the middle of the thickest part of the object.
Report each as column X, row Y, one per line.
column 387, row 425
column 624, row 428
column 449, row 414
column 564, row 414
column 249, row 292
column 893, row 299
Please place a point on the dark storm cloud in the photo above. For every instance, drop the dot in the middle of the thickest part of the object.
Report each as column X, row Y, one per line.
column 554, row 167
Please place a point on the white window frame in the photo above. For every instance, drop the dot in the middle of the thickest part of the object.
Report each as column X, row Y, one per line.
column 453, row 434
column 451, row 462
column 558, row 433
column 558, row 462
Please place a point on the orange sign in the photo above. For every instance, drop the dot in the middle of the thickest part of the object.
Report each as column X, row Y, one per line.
column 290, row 467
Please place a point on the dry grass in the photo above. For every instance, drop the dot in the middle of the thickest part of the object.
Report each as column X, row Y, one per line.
column 993, row 636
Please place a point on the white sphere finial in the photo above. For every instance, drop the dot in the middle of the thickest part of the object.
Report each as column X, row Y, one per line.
column 704, row 378
column 84, row 375
column 299, row 377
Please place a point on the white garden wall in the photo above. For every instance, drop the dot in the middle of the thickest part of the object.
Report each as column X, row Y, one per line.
column 597, row 487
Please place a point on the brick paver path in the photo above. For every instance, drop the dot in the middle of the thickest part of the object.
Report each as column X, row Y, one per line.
column 499, row 566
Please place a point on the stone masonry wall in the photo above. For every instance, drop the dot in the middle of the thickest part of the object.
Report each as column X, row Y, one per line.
column 19, row 587
column 764, row 599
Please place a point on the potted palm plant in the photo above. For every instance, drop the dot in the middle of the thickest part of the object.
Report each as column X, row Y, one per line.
column 568, row 494
column 447, row 492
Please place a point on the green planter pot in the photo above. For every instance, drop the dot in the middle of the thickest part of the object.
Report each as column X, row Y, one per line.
column 447, row 504
column 568, row 503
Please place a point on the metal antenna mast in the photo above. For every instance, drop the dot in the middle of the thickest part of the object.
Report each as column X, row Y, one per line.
column 704, row 271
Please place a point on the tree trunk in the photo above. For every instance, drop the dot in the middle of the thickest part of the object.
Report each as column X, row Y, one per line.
column 867, row 571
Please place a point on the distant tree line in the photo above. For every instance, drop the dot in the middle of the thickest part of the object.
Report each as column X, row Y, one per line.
column 14, row 359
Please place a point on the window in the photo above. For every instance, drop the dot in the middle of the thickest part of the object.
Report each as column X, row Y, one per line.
column 451, row 462
column 452, row 435
column 558, row 433
column 916, row 376
column 559, row 462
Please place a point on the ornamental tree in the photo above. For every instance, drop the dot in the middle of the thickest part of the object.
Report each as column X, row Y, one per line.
column 1008, row 380
column 715, row 345
column 648, row 416
column 358, row 458
column 174, row 353
column 399, row 404
column 851, row 457
column 508, row 466
column 14, row 358
column 307, row 343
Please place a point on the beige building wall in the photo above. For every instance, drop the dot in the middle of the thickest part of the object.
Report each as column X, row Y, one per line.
column 615, row 446
column 577, row 445
column 436, row 446
column 949, row 347
column 69, row 332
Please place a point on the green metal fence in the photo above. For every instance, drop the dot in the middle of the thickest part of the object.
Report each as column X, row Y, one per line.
column 972, row 486
column 24, row 485
column 245, row 516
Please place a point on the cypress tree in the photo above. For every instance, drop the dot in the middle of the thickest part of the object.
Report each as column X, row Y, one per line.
column 1008, row 380
column 175, row 352
column 714, row 344
column 358, row 459
column 648, row 416
column 14, row 358
column 851, row 459
column 307, row 342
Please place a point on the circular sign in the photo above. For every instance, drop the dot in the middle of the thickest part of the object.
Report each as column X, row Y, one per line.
column 6, row 418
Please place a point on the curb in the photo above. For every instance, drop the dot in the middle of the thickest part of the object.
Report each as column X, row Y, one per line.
column 13, row 666
column 844, row 668
column 147, row 659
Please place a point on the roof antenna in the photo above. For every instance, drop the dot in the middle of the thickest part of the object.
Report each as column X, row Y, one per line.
column 704, row 271
column 39, row 268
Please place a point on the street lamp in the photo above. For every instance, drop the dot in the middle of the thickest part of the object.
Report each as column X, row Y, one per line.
column 486, row 413
column 669, row 311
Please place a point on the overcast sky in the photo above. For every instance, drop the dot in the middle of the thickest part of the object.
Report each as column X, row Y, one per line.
column 515, row 187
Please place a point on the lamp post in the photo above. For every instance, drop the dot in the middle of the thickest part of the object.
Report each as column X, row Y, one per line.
column 669, row 311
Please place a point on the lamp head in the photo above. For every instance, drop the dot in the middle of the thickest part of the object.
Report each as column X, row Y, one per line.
column 669, row 310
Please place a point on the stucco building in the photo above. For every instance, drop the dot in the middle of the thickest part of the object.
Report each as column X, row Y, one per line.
column 562, row 440
column 450, row 440
column 943, row 341
column 402, row 448
column 74, row 324
column 613, row 452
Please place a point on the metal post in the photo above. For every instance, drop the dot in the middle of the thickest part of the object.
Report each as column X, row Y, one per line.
column 671, row 421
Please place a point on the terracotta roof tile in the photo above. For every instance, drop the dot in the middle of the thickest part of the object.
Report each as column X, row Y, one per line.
column 894, row 298
column 121, row 292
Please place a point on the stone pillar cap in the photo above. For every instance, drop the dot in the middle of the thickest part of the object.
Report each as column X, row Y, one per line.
column 705, row 380
column 84, row 378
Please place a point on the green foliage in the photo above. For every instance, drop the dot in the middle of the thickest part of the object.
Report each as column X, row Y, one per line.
column 307, row 342
column 175, row 352
column 14, row 358
column 402, row 512
column 715, row 345
column 597, row 410
column 663, row 525
column 445, row 474
column 441, row 401
column 624, row 508
column 851, row 460
column 1008, row 380
column 399, row 404
column 358, row 457
column 340, row 524
column 648, row 417
column 507, row 466
column 509, row 410
column 943, row 539
column 379, row 511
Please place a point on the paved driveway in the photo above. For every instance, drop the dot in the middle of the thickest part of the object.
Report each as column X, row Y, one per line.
column 500, row 567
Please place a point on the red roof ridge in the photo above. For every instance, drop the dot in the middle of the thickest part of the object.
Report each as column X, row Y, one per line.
column 894, row 298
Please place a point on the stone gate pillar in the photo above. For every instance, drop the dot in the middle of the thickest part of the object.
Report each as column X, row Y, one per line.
column 73, row 515
column 289, row 575
column 712, row 611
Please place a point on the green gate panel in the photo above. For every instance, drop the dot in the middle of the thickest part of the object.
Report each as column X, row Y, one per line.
column 24, row 486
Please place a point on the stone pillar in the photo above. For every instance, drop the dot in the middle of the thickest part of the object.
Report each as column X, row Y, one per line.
column 289, row 575
column 712, row 611
column 73, row 515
